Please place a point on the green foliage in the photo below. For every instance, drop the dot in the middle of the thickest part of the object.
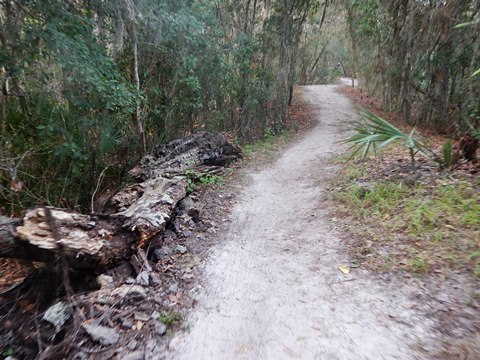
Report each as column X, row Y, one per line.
column 211, row 179
column 69, row 110
column 378, row 200
column 373, row 133
column 469, row 23
column 366, row 24
column 421, row 224
column 269, row 133
column 474, row 130
column 447, row 154
column 401, row 52
column 8, row 352
column 170, row 319
column 466, row 24
column 191, row 176
column 190, row 186
column 193, row 179
column 421, row 216
column 74, row 108
column 265, row 145
column 420, row 265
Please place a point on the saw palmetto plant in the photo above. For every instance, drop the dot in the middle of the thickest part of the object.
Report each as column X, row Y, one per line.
column 371, row 133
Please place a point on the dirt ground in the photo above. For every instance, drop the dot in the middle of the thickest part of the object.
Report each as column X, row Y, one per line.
column 276, row 286
column 265, row 272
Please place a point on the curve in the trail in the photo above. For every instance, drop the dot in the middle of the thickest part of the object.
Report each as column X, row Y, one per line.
column 273, row 289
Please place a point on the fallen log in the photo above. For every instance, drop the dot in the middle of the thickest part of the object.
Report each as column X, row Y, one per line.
column 136, row 214
column 201, row 148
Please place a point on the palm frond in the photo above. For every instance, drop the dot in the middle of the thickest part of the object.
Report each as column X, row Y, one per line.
column 373, row 133
column 464, row 24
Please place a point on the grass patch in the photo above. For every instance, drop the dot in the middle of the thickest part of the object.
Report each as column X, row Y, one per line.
column 267, row 145
column 424, row 227
column 170, row 319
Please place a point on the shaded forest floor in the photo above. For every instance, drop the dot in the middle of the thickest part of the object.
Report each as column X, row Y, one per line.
column 419, row 227
column 143, row 304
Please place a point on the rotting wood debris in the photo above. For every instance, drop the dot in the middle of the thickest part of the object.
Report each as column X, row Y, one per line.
column 135, row 215
column 81, row 321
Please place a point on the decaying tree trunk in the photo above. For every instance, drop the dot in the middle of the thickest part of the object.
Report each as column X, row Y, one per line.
column 466, row 148
column 136, row 214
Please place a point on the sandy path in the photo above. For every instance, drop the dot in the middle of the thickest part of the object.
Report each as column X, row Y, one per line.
column 273, row 289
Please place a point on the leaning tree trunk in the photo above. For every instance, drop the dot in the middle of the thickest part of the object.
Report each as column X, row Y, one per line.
column 136, row 214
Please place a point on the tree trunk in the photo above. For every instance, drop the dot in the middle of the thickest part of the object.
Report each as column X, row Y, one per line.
column 136, row 214
column 137, row 116
column 406, row 105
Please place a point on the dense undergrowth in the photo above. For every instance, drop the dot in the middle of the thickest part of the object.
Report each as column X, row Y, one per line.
column 88, row 87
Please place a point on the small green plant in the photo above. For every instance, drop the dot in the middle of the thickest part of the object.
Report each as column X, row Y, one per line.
column 447, row 154
column 420, row 265
column 170, row 319
column 354, row 173
column 211, row 179
column 190, row 186
column 208, row 179
column 8, row 352
column 269, row 132
column 380, row 199
column 372, row 133
column 422, row 216
column 190, row 175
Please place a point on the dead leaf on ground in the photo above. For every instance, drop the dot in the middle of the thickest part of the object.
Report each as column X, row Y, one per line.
column 173, row 298
column 244, row 349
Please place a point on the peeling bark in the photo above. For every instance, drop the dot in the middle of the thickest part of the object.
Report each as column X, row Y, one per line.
column 136, row 214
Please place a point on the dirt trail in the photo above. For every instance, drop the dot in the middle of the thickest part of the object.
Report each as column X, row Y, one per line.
column 273, row 289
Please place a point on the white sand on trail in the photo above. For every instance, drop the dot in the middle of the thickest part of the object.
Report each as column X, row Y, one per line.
column 273, row 289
